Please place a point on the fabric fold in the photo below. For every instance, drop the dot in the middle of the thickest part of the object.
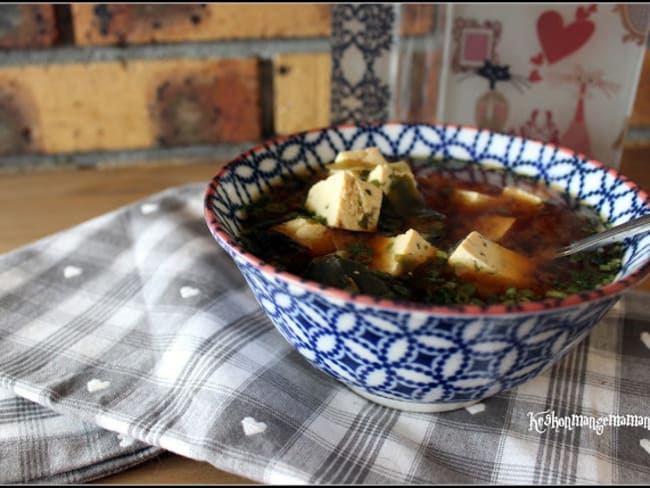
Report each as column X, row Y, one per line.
column 134, row 332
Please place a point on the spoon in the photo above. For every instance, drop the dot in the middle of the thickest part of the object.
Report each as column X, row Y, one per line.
column 614, row 234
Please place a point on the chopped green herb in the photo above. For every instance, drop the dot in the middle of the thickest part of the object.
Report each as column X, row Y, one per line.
column 359, row 252
column 555, row 294
column 364, row 223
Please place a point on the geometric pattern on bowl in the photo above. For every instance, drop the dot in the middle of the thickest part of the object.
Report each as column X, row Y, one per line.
column 407, row 355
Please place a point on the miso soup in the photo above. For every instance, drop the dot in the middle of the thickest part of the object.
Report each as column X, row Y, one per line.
column 432, row 232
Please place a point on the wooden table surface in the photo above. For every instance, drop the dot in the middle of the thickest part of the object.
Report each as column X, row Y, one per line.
column 36, row 204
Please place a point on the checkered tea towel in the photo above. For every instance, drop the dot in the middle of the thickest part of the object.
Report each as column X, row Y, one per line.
column 135, row 332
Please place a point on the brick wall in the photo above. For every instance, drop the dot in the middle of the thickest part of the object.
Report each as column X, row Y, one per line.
column 87, row 84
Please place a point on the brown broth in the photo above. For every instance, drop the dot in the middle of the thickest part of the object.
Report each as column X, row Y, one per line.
column 444, row 222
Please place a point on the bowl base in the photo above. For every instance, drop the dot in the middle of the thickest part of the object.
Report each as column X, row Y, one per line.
column 410, row 406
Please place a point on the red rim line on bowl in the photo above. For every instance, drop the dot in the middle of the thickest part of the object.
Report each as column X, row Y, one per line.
column 465, row 310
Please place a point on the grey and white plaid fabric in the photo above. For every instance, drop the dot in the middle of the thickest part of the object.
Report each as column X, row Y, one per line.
column 134, row 332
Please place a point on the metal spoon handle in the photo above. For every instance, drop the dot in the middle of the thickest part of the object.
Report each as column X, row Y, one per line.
column 615, row 234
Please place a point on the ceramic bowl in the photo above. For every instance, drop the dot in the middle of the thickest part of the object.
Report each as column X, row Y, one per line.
column 409, row 356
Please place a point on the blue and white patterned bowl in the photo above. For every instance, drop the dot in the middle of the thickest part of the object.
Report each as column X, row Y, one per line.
column 409, row 356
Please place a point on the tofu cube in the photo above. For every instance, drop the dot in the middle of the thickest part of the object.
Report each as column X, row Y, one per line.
column 346, row 202
column 473, row 199
column 366, row 158
column 477, row 258
column 522, row 197
column 494, row 227
column 395, row 255
column 313, row 235
column 385, row 174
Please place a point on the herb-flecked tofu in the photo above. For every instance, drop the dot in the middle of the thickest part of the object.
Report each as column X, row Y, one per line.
column 479, row 258
column 395, row 255
column 345, row 201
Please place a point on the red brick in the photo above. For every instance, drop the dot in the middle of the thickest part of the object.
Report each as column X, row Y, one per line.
column 27, row 26
column 19, row 128
column 211, row 104
column 301, row 91
column 145, row 23
column 125, row 105
column 416, row 18
column 422, row 91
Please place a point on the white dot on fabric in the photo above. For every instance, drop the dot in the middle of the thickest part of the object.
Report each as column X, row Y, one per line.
column 71, row 272
column 188, row 291
column 125, row 440
column 148, row 208
column 476, row 408
column 645, row 444
column 645, row 338
column 252, row 426
column 97, row 385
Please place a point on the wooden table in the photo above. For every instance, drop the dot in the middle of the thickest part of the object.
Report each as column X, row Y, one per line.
column 36, row 204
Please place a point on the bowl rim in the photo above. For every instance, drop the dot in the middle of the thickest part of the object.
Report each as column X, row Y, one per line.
column 466, row 310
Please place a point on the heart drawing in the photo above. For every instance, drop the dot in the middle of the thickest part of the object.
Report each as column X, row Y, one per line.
column 252, row 426
column 97, row 385
column 534, row 76
column 557, row 40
